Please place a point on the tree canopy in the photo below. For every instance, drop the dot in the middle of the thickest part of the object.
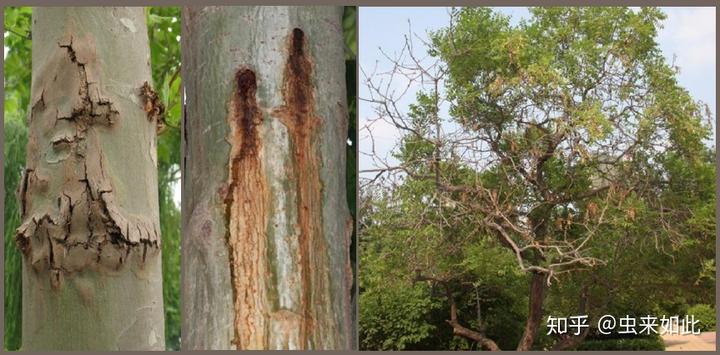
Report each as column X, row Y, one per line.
column 570, row 160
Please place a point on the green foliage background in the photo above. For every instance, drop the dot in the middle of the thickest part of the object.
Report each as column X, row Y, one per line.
column 163, row 32
column 17, row 95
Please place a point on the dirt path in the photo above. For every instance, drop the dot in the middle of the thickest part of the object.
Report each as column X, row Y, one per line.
column 701, row 342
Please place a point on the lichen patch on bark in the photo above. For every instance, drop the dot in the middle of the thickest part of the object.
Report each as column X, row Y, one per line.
column 246, row 204
column 70, row 220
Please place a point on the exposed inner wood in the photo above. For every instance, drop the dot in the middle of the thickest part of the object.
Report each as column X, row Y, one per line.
column 246, row 204
column 298, row 115
column 258, row 325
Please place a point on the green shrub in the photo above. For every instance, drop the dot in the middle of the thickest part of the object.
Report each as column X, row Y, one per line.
column 655, row 343
column 395, row 318
column 705, row 314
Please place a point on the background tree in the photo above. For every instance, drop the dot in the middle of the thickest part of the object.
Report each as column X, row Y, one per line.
column 16, row 101
column 164, row 36
column 567, row 137
column 267, row 232
column 164, row 45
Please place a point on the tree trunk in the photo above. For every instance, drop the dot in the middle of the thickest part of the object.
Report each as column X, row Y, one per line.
column 571, row 341
column 459, row 329
column 89, row 202
column 535, row 311
column 267, row 228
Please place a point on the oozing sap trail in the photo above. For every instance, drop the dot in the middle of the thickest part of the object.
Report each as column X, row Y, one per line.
column 259, row 322
column 246, row 204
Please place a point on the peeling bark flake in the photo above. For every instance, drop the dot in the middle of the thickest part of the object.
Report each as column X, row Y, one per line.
column 153, row 106
column 81, row 228
column 100, row 109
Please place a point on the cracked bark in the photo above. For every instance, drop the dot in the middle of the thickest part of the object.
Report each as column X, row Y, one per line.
column 268, row 225
column 90, row 229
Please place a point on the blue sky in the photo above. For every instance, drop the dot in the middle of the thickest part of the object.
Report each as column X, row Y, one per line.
column 688, row 36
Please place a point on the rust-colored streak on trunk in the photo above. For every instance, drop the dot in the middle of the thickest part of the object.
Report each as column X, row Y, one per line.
column 246, row 205
column 298, row 115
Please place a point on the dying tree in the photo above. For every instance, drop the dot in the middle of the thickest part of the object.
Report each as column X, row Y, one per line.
column 266, row 228
column 90, row 234
column 559, row 130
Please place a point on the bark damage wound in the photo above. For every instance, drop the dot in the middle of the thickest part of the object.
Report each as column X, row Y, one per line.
column 258, row 325
column 82, row 227
column 153, row 106
column 299, row 117
column 246, row 204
